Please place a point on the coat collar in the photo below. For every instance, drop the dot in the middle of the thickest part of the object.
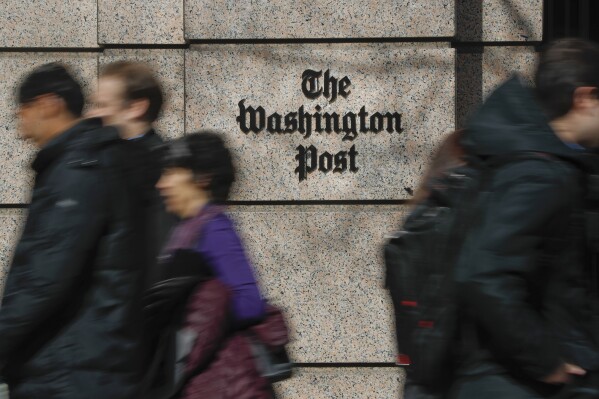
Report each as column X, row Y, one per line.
column 59, row 144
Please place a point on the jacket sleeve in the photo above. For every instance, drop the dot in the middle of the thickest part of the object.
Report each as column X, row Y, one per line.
column 223, row 249
column 59, row 237
column 207, row 315
column 499, row 262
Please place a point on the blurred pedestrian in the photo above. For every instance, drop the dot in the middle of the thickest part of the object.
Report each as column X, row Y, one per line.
column 196, row 181
column 527, row 325
column 130, row 98
column 70, row 321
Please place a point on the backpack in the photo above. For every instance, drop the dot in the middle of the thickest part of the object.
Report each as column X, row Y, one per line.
column 420, row 262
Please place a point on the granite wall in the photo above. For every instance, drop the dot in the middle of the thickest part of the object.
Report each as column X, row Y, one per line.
column 379, row 82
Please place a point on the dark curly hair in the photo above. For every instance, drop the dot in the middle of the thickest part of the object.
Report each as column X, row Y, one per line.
column 204, row 153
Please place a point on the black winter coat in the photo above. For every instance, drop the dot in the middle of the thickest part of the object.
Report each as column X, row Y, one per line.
column 70, row 321
column 145, row 166
column 521, row 274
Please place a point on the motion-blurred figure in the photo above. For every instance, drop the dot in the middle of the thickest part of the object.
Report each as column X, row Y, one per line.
column 69, row 321
column 130, row 97
column 521, row 277
column 229, row 320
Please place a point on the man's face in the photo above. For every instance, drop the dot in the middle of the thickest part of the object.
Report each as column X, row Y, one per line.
column 31, row 121
column 109, row 103
column 589, row 121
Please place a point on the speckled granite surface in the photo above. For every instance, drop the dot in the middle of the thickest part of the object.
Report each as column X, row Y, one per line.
column 168, row 66
column 416, row 81
column 343, row 383
column 500, row 63
column 11, row 222
column 15, row 154
column 48, row 23
column 483, row 72
column 140, row 21
column 225, row 19
column 324, row 266
column 500, row 20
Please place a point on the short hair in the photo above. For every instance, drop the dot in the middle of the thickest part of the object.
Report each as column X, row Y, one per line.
column 204, row 153
column 52, row 78
column 563, row 67
column 139, row 82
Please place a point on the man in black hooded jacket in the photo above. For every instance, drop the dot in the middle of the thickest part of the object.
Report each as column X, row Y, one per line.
column 130, row 98
column 522, row 281
column 70, row 324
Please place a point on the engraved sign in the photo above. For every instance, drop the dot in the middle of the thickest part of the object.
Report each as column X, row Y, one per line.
column 349, row 125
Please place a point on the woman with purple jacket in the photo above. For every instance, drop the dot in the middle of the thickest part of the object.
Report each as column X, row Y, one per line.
column 196, row 180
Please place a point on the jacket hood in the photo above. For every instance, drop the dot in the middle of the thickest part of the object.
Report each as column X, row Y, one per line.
column 511, row 121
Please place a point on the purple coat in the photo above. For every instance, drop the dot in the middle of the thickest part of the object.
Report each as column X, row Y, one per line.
column 222, row 248
column 212, row 234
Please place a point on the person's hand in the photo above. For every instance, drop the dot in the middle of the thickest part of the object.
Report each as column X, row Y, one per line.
column 563, row 374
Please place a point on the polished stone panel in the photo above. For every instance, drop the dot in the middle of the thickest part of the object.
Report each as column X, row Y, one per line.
column 500, row 63
column 409, row 83
column 140, row 22
column 16, row 155
column 11, row 223
column 324, row 266
column 224, row 19
column 499, row 20
column 342, row 383
column 169, row 68
column 479, row 73
column 49, row 23
column 469, row 85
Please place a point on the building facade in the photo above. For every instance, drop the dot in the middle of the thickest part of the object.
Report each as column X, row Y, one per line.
column 332, row 110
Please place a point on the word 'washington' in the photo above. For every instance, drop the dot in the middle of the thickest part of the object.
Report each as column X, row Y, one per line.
column 350, row 124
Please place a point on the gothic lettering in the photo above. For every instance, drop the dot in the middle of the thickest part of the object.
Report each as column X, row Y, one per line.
column 273, row 123
column 340, row 162
column 393, row 122
column 376, row 122
column 325, row 162
column 310, row 84
column 291, row 122
column 348, row 125
column 352, row 159
column 332, row 122
column 255, row 114
column 343, row 85
column 309, row 160
column 330, row 87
